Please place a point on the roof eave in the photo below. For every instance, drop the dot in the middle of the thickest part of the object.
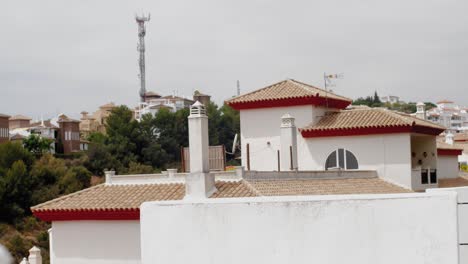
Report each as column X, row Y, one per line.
column 359, row 131
column 87, row 214
column 297, row 101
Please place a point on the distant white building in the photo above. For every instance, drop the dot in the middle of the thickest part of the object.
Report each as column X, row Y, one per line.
column 390, row 99
column 450, row 115
column 153, row 102
column 45, row 129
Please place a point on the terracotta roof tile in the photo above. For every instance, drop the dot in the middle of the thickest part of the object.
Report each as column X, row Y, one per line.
column 106, row 197
column 368, row 118
column 443, row 145
column 325, row 186
column 130, row 197
column 460, row 137
column 285, row 90
column 455, row 182
column 19, row 117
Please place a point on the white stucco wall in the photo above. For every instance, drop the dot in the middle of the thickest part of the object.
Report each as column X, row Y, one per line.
column 389, row 154
column 378, row 229
column 447, row 166
column 95, row 242
column 259, row 126
column 463, row 158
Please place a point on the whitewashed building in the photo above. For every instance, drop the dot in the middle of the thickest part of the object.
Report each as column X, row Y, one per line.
column 153, row 102
column 450, row 115
column 255, row 216
column 328, row 136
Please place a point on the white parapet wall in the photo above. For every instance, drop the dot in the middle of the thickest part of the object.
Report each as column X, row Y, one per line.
column 462, row 199
column 96, row 242
column 377, row 229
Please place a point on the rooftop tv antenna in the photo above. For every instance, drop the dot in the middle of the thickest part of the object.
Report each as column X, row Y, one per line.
column 328, row 82
column 238, row 88
column 328, row 79
column 141, row 49
column 235, row 145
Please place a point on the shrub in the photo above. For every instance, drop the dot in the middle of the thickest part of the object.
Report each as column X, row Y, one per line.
column 18, row 247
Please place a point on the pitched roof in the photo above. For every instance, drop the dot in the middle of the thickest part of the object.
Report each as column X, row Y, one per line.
column 443, row 145
column 17, row 136
column 124, row 198
column 369, row 121
column 108, row 105
column 19, row 117
column 325, row 186
column 47, row 123
column 177, row 98
column 445, row 101
column 291, row 92
column 3, row 115
column 445, row 149
column 152, row 94
column 65, row 118
column 455, row 182
column 460, row 137
column 123, row 201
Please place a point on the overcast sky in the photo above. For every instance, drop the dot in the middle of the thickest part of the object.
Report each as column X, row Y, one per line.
column 69, row 56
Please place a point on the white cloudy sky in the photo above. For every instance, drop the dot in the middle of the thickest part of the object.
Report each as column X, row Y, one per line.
column 69, row 56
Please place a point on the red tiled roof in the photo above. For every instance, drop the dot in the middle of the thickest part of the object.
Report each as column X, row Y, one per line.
column 369, row 121
column 122, row 202
column 19, row 117
column 287, row 93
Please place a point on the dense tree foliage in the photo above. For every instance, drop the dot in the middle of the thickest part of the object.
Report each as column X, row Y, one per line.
column 37, row 144
column 156, row 141
column 374, row 101
column 25, row 181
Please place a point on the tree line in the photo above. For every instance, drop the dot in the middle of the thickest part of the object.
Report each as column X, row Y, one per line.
column 154, row 143
column 374, row 101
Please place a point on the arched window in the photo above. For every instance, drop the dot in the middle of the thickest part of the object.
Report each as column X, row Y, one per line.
column 343, row 159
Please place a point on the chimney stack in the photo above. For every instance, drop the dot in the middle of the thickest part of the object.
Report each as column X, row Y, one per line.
column 35, row 256
column 288, row 142
column 199, row 183
column 421, row 110
column 449, row 138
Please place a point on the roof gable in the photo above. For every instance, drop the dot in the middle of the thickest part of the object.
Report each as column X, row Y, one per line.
column 287, row 93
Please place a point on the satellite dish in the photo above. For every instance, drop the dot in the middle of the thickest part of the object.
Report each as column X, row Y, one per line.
column 234, row 145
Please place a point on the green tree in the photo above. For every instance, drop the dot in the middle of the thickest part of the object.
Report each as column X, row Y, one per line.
column 75, row 179
column 37, row 145
column 138, row 168
column 15, row 192
column 229, row 126
column 214, row 117
column 97, row 137
column 122, row 132
column 11, row 152
column 100, row 158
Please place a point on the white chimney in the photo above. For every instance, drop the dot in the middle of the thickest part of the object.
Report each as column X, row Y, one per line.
column 35, row 256
column 199, row 183
column 108, row 175
column 288, row 142
column 449, row 138
column 421, row 110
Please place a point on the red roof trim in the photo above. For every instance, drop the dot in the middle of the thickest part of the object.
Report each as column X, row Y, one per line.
column 74, row 215
column 449, row 152
column 311, row 100
column 369, row 131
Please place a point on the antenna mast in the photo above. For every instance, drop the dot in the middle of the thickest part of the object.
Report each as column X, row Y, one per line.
column 238, row 88
column 141, row 49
